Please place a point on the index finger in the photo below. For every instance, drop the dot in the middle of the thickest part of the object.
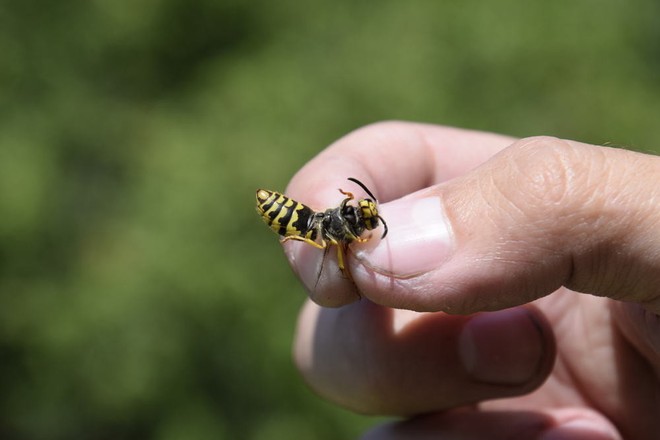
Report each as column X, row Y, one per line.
column 393, row 159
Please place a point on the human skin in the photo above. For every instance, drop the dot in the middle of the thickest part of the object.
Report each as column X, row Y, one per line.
column 515, row 295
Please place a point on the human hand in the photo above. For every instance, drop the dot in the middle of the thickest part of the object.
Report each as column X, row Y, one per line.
column 458, row 319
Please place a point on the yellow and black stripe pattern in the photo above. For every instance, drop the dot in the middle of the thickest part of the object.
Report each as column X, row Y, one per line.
column 338, row 226
column 285, row 216
column 369, row 213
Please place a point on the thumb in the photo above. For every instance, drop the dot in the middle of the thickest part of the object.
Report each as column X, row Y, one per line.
column 542, row 214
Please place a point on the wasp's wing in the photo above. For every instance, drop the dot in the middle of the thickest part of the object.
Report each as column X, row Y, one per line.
column 320, row 273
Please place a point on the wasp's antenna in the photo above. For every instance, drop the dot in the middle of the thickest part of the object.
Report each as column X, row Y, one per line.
column 352, row 179
column 384, row 226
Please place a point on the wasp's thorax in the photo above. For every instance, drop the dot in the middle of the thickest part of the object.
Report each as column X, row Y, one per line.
column 348, row 222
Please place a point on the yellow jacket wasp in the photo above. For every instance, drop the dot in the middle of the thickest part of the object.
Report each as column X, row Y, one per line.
column 338, row 226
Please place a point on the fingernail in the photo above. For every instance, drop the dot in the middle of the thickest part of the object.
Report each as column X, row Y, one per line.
column 419, row 238
column 502, row 348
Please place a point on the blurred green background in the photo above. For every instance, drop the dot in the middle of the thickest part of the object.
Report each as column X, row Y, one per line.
column 140, row 294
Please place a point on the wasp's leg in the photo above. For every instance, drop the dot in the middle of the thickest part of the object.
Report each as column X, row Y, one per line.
column 341, row 261
column 340, row 253
column 363, row 240
column 321, row 245
column 340, row 258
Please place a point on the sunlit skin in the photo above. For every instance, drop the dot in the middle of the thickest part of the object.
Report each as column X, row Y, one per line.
column 527, row 221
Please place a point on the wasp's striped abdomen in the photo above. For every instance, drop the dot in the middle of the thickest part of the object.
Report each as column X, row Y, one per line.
column 284, row 215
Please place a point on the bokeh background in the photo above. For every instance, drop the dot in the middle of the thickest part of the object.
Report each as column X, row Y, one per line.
column 140, row 294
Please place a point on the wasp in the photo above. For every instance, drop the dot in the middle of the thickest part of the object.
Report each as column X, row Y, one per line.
column 338, row 226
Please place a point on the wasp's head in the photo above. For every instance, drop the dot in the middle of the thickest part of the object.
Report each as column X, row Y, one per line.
column 368, row 209
column 370, row 216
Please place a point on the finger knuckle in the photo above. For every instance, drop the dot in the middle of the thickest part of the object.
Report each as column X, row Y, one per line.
column 547, row 175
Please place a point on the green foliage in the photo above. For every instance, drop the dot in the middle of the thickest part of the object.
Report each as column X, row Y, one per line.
column 140, row 295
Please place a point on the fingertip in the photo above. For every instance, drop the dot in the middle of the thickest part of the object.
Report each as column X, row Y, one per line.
column 377, row 360
column 319, row 273
column 393, row 159
column 419, row 238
